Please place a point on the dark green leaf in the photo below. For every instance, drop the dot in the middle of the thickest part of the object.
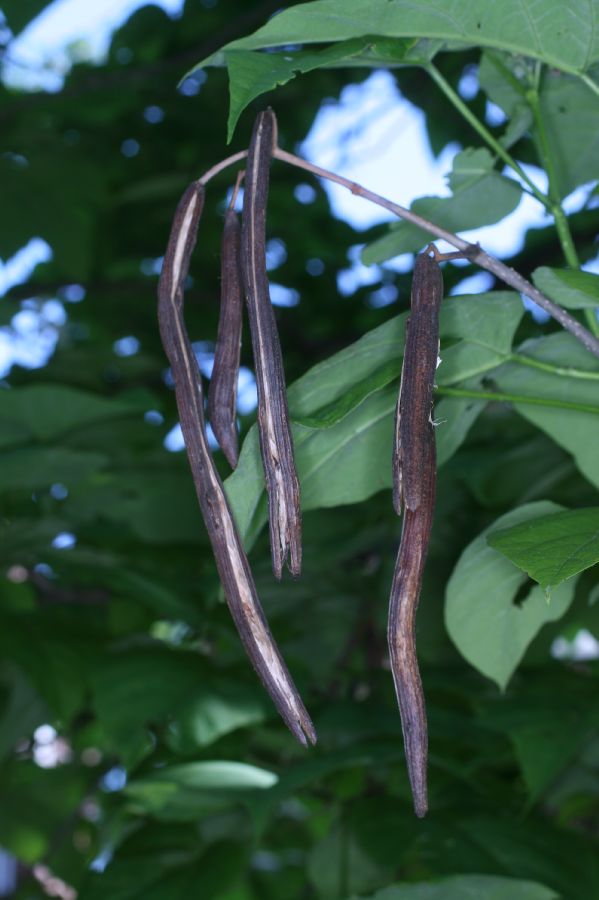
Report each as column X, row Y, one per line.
column 552, row 548
column 568, row 287
column 467, row 887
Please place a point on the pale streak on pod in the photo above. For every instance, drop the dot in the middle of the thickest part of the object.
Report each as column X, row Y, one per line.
column 414, row 483
column 231, row 561
column 276, row 445
column 222, row 391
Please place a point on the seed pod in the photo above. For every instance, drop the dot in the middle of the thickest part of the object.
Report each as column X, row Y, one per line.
column 222, row 392
column 231, row 561
column 414, row 481
column 276, row 444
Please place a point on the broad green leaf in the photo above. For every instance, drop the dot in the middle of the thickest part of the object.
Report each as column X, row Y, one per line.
column 19, row 13
column 576, row 431
column 552, row 548
column 165, row 602
column 22, row 710
column 454, row 417
column 545, row 752
column 252, row 74
column 189, row 790
column 489, row 629
column 37, row 467
column 550, row 719
column 351, row 372
column 466, row 887
column 505, row 80
column 47, row 411
column 343, row 409
column 173, row 871
column 35, row 804
column 515, row 27
column 159, row 507
column 55, row 195
column 218, row 706
column 337, row 862
column 482, row 329
column 318, row 767
column 140, row 687
column 568, row 287
column 472, row 177
column 564, row 40
column 345, row 463
column 570, row 115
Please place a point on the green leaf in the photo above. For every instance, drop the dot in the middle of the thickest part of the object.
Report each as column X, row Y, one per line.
column 52, row 193
column 482, row 327
column 504, row 80
column 218, row 707
column 575, row 431
column 570, row 116
column 252, row 74
column 141, row 687
column 472, row 177
column 343, row 410
column 159, row 507
column 455, row 416
column 338, row 861
column 564, row 40
column 46, row 411
column 37, row 467
column 334, row 378
column 190, row 790
column 552, row 548
column 22, row 710
column 467, row 887
column 172, row 872
column 568, row 287
column 318, row 767
column 489, row 629
column 20, row 13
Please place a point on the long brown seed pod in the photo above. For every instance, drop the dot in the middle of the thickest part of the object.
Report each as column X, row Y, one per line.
column 222, row 391
column 276, row 445
column 414, row 481
column 231, row 561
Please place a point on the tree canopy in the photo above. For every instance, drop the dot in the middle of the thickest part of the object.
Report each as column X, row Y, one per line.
column 140, row 756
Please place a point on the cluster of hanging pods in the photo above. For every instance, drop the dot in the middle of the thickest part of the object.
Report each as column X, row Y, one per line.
column 243, row 271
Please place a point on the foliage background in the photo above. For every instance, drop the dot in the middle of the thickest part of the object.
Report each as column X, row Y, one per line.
column 176, row 776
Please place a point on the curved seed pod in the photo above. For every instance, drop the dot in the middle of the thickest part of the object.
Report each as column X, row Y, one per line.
column 414, row 482
column 222, row 391
column 276, row 445
column 231, row 561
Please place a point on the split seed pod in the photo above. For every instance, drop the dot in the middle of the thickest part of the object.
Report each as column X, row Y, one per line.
column 276, row 444
column 231, row 561
column 222, row 392
column 414, row 483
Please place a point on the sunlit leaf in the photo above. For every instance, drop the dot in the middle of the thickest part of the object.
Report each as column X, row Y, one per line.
column 490, row 629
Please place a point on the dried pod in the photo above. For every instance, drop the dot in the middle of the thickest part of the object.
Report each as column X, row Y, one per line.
column 414, row 482
column 222, row 392
column 231, row 561
column 276, row 444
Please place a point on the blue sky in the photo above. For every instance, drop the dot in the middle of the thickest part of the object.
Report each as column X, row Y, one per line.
column 356, row 135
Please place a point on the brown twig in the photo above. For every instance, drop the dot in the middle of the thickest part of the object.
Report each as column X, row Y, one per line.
column 472, row 251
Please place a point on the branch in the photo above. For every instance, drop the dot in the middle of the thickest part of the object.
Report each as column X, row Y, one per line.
column 472, row 251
